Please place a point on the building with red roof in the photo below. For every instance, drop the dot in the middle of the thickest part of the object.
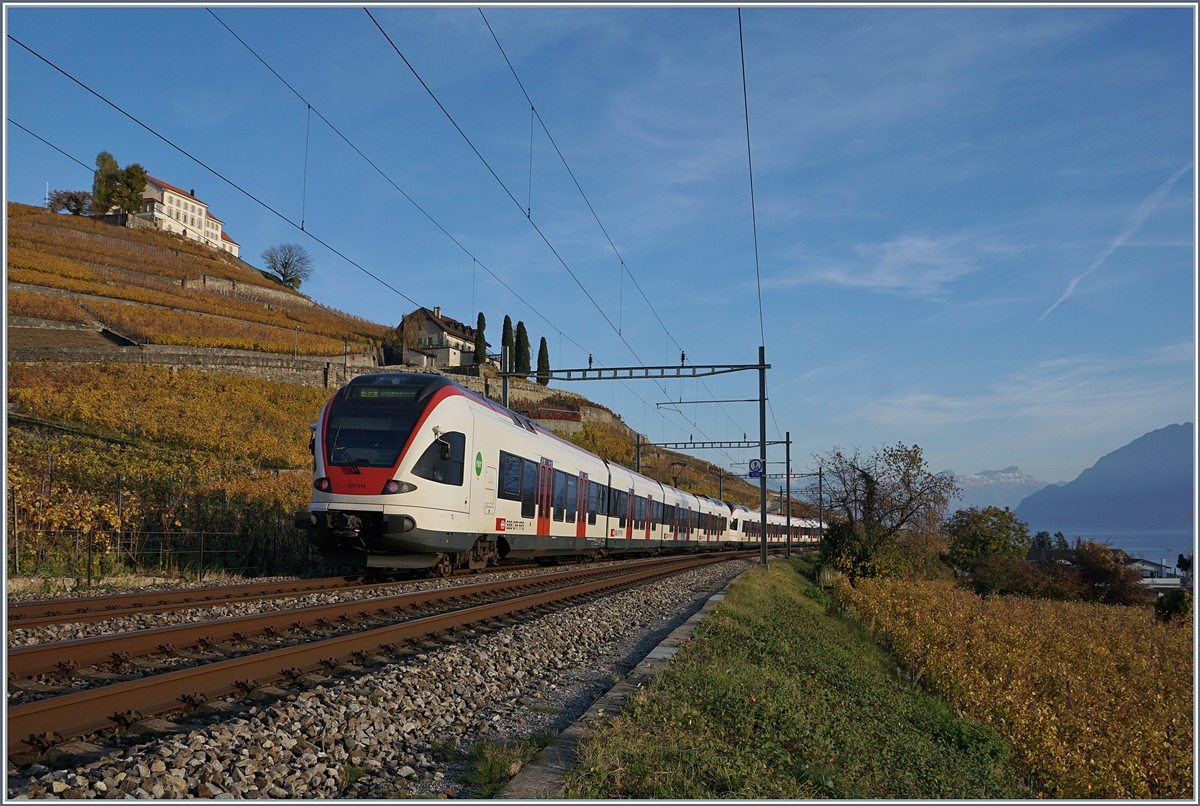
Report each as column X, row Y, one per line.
column 177, row 210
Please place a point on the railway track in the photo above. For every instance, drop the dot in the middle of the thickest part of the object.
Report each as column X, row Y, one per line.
column 41, row 723
column 29, row 615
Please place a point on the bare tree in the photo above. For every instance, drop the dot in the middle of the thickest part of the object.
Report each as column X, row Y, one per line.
column 289, row 262
column 878, row 496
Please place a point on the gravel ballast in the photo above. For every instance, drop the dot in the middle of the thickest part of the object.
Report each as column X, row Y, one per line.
column 390, row 731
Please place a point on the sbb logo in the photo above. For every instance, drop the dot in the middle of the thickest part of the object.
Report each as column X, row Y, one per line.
column 499, row 524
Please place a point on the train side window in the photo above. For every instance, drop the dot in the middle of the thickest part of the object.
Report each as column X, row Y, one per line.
column 620, row 501
column 639, row 513
column 560, row 494
column 734, row 525
column 593, row 502
column 510, row 476
column 432, row 466
column 528, row 488
column 602, row 500
column 655, row 515
column 572, row 497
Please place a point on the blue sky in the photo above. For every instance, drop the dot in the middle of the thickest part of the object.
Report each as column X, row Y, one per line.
column 930, row 184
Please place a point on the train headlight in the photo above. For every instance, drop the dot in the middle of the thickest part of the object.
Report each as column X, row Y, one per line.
column 322, row 484
column 392, row 486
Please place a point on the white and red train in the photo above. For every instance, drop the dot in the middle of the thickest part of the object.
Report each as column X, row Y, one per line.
column 414, row 471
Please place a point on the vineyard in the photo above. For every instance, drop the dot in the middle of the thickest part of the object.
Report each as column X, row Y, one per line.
column 193, row 452
column 44, row 251
column 1096, row 699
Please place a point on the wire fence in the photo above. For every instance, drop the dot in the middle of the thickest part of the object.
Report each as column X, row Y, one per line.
column 93, row 555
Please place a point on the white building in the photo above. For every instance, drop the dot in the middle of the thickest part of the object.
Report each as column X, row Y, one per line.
column 176, row 210
column 442, row 341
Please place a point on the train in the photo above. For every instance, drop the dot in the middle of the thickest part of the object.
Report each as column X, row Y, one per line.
column 414, row 471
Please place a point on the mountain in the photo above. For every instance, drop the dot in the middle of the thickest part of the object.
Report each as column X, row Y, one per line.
column 996, row 488
column 1146, row 485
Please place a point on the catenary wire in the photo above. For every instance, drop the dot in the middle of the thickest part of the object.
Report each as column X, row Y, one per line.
column 341, row 314
column 624, row 268
column 422, row 210
column 214, row 172
column 223, row 178
column 750, row 163
column 514, row 200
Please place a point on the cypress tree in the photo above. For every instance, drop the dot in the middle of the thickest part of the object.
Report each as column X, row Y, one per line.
column 522, row 359
column 506, row 340
column 480, row 341
column 543, row 370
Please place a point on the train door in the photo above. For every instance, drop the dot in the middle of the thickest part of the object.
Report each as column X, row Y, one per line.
column 649, row 514
column 581, row 516
column 545, row 489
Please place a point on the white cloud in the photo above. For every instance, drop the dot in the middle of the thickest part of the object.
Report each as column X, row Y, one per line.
column 916, row 265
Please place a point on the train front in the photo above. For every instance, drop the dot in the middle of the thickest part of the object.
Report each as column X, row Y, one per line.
column 388, row 482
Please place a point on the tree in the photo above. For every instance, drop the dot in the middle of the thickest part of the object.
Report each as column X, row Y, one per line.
column 877, row 496
column 543, row 370
column 1105, row 579
column 104, row 182
column 75, row 202
column 481, row 344
column 506, row 340
column 289, row 262
column 1060, row 541
column 114, row 187
column 522, row 359
column 977, row 533
column 1184, row 564
column 1041, row 541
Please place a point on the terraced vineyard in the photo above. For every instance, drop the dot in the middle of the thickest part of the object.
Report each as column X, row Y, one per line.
column 179, row 288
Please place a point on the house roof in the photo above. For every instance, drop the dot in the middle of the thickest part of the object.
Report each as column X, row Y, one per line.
column 1036, row 555
column 225, row 237
column 213, row 217
column 451, row 326
column 171, row 187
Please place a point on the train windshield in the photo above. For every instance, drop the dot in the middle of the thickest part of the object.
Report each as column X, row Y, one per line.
column 369, row 424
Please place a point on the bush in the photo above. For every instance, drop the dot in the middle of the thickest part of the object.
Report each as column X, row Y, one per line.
column 1173, row 604
column 1001, row 575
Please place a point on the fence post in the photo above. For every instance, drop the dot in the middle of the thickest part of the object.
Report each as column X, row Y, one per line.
column 89, row 561
column 201, row 557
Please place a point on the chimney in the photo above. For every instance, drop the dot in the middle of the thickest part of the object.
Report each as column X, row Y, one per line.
column 192, row 192
column 437, row 310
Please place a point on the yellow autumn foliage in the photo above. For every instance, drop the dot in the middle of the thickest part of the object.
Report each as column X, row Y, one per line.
column 1096, row 699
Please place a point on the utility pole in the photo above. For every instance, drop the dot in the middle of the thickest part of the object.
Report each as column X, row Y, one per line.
column 504, row 370
column 637, row 454
column 821, row 502
column 788, row 484
column 721, row 483
column 762, row 444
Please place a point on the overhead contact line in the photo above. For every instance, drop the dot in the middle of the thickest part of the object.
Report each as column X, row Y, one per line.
column 214, row 172
column 413, row 202
column 625, row 269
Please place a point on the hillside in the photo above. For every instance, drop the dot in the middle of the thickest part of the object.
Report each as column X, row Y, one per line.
column 221, row 446
column 1146, row 484
column 154, row 287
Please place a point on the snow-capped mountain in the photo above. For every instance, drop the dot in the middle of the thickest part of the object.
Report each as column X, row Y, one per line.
column 996, row 488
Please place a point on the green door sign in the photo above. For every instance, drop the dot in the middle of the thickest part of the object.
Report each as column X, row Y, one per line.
column 478, row 463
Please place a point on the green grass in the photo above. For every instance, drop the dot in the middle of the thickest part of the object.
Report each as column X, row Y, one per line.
column 493, row 764
column 776, row 699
